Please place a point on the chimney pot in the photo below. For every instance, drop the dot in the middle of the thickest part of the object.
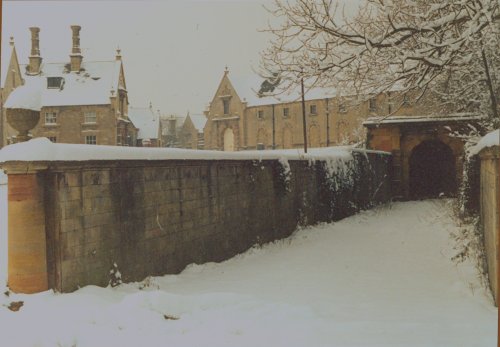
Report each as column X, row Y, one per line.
column 35, row 61
column 76, row 53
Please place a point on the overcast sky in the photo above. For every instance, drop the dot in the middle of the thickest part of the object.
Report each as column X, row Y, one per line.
column 174, row 52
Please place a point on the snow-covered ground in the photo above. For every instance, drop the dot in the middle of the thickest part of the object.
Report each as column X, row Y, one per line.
column 381, row 278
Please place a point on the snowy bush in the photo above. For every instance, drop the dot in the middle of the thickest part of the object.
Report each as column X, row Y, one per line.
column 115, row 276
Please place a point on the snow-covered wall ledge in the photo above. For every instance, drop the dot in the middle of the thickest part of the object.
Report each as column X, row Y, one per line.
column 42, row 149
column 75, row 211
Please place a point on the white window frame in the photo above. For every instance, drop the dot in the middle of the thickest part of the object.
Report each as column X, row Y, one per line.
column 50, row 118
column 90, row 117
column 91, row 139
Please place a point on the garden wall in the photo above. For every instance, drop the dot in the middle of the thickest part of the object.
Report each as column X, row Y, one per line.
column 71, row 221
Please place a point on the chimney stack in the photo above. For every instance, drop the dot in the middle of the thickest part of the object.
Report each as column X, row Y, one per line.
column 76, row 53
column 34, row 58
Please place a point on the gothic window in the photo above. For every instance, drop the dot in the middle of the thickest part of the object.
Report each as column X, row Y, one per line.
column 225, row 103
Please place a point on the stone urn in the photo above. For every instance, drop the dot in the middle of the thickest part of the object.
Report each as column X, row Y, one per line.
column 22, row 120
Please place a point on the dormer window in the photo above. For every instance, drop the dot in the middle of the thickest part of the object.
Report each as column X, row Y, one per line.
column 55, row 82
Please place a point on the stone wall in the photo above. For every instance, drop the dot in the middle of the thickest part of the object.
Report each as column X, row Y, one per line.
column 489, row 201
column 156, row 217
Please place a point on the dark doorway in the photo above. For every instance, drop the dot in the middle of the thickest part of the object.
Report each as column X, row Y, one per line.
column 432, row 170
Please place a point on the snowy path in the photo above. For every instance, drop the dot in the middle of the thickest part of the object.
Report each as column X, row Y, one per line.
column 381, row 278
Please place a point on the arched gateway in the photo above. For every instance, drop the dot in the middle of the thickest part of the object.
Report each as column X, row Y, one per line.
column 426, row 160
column 432, row 170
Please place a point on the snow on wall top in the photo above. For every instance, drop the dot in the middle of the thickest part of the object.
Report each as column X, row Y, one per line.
column 198, row 121
column 41, row 149
column 91, row 86
column 418, row 119
column 490, row 140
column 146, row 120
column 247, row 89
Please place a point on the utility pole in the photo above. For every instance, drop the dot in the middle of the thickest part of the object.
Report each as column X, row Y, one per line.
column 274, row 130
column 304, row 114
column 327, row 123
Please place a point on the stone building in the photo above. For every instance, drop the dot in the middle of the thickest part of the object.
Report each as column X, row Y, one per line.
column 171, row 129
column 191, row 134
column 79, row 101
column 238, row 119
column 148, row 122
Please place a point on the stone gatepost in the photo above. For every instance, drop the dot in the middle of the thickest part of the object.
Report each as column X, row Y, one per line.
column 27, row 245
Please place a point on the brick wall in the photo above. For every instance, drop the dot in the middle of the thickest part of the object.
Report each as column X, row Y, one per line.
column 156, row 217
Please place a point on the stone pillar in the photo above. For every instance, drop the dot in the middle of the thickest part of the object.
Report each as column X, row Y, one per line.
column 27, row 246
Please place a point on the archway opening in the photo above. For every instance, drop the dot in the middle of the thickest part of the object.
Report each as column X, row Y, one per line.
column 228, row 140
column 432, row 171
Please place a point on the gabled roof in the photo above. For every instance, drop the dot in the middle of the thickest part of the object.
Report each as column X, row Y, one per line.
column 93, row 85
column 198, row 121
column 146, row 120
column 248, row 87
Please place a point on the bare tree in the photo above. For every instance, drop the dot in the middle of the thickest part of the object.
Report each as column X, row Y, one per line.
column 447, row 46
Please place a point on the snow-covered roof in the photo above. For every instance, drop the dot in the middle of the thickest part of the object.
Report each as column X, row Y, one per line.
column 91, row 86
column 146, row 120
column 419, row 119
column 42, row 149
column 198, row 121
column 490, row 140
column 248, row 87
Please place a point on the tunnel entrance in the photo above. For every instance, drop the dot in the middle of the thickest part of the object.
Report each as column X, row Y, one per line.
column 432, row 170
